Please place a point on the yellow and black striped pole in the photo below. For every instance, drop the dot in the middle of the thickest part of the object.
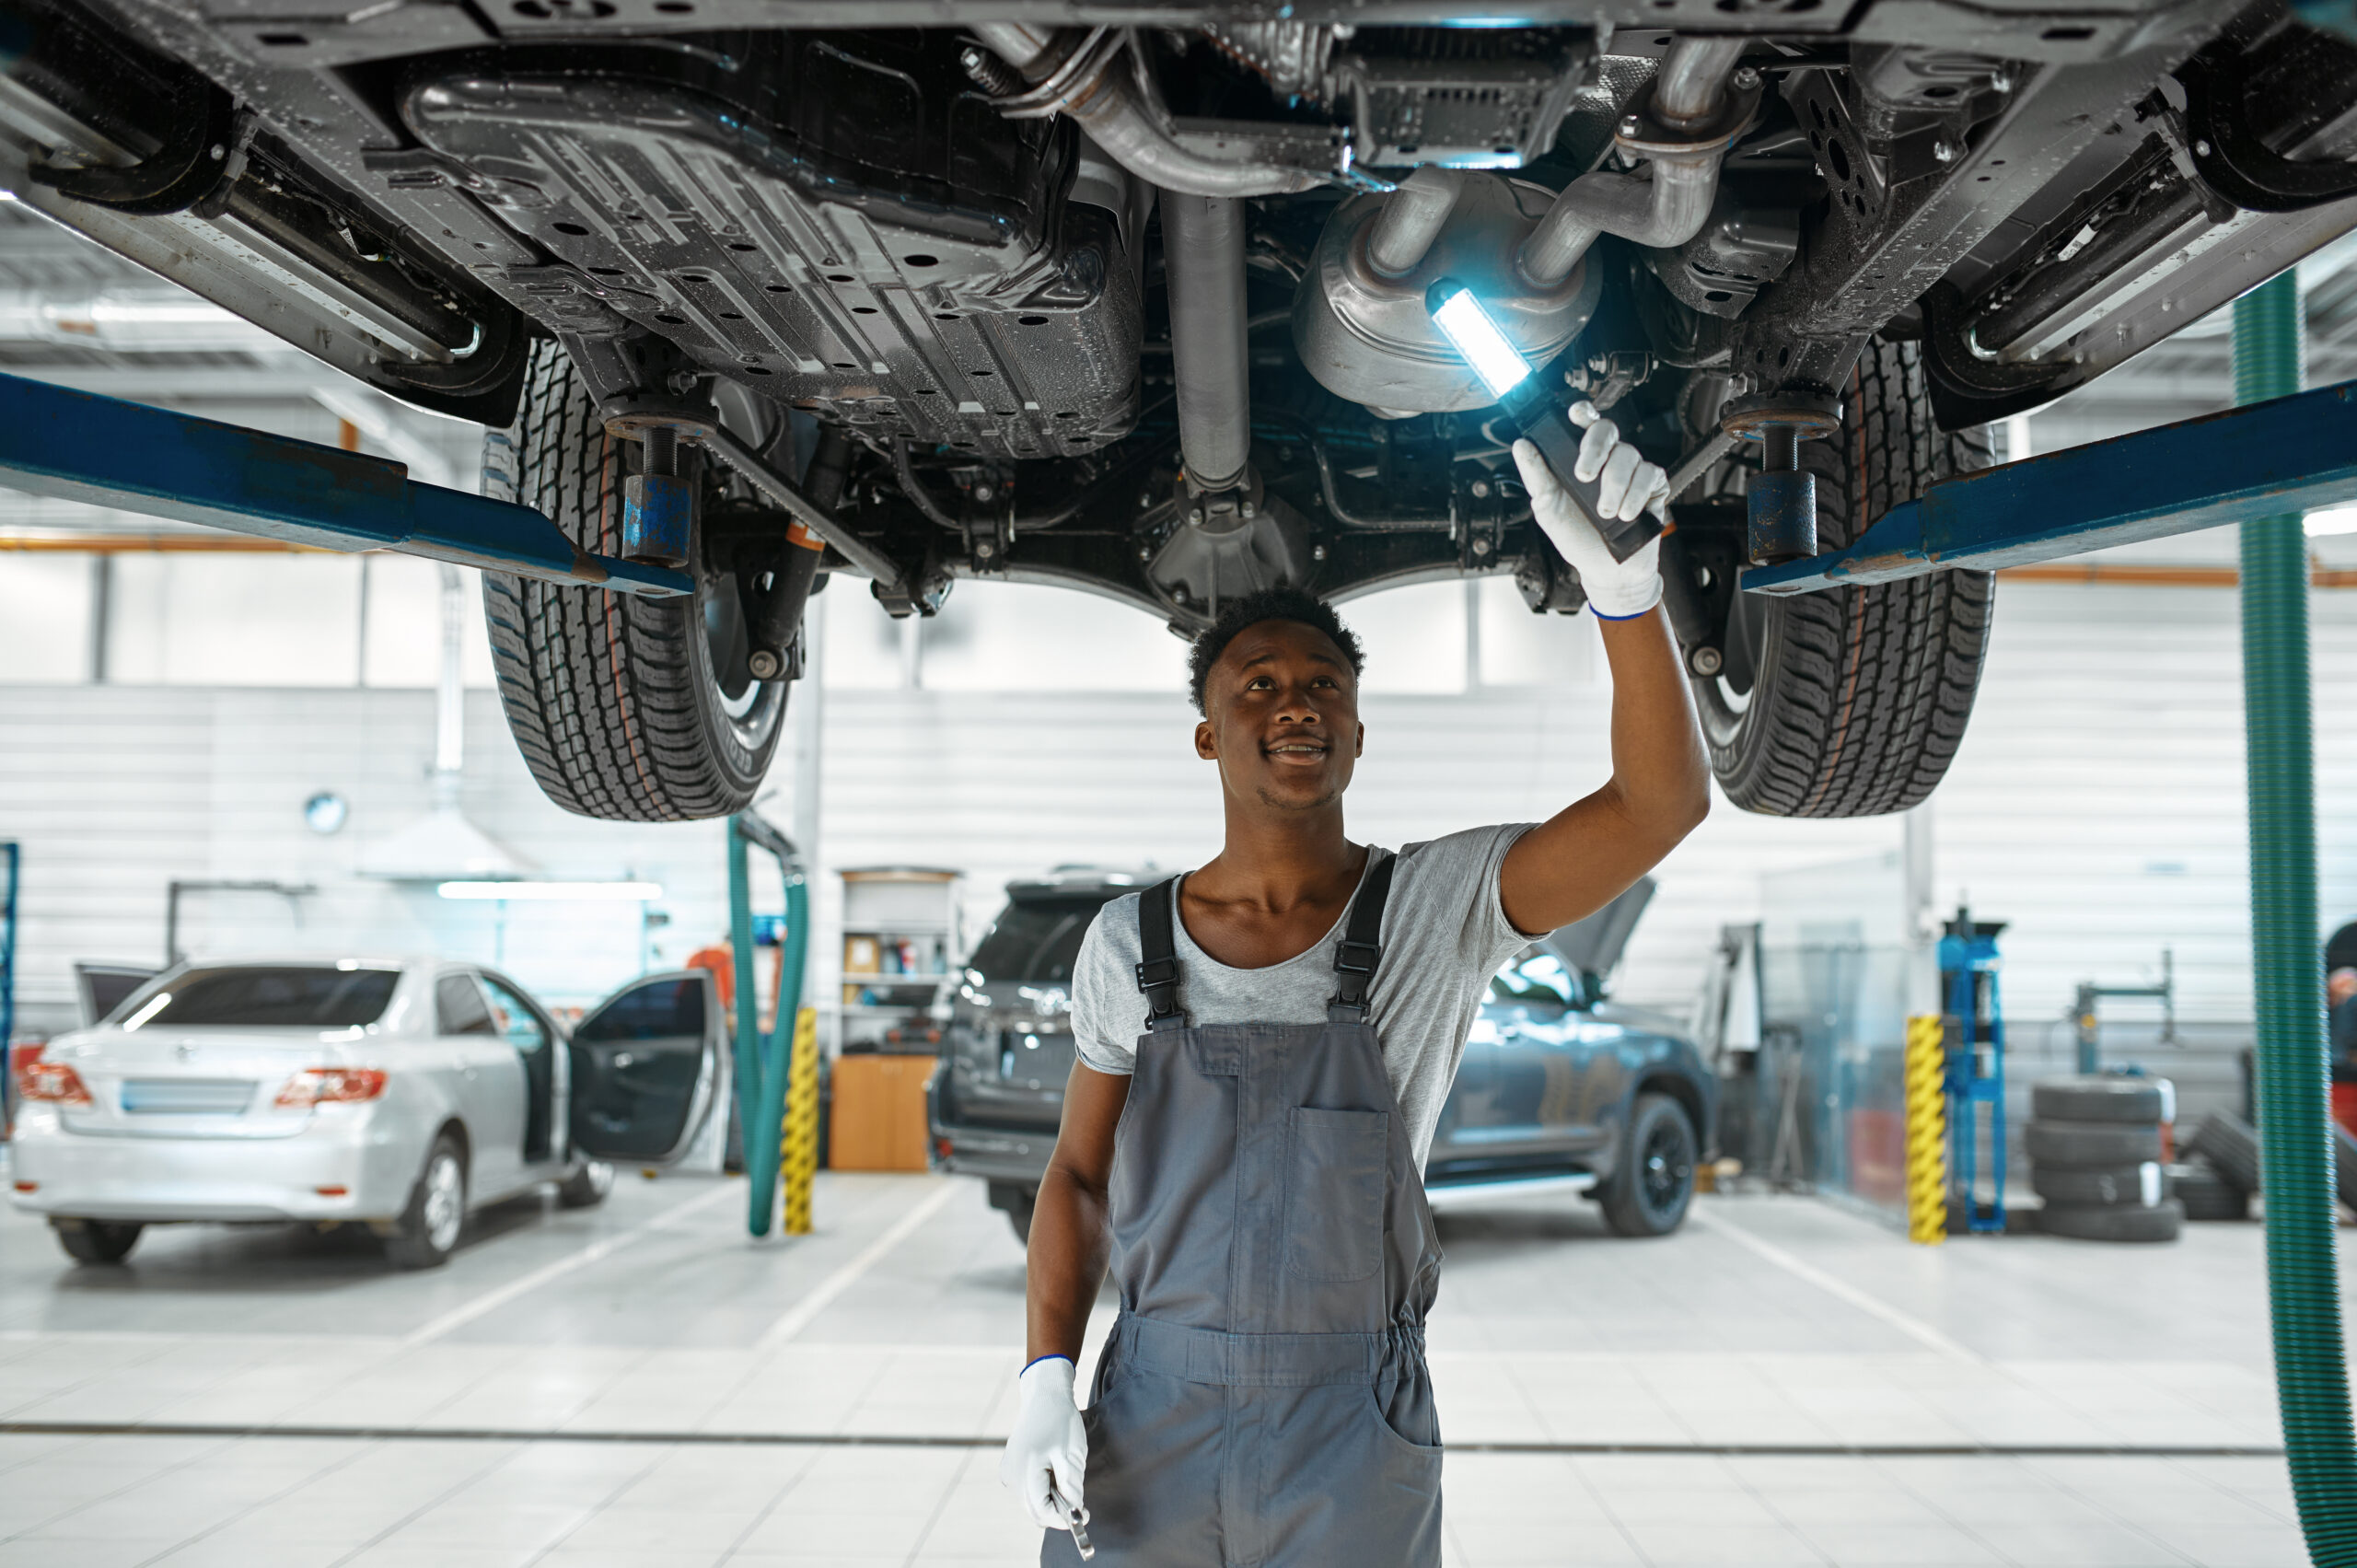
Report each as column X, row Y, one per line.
column 1927, row 1131
column 800, row 1139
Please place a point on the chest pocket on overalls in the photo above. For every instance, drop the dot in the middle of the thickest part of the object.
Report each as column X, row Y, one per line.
column 1335, row 1171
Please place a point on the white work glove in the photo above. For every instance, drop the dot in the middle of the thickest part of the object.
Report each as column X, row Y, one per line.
column 1046, row 1454
column 1626, row 485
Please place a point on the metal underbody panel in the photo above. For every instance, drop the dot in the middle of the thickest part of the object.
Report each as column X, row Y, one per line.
column 2269, row 459
column 958, row 309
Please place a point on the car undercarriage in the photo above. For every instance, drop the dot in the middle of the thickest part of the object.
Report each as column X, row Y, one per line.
column 1131, row 298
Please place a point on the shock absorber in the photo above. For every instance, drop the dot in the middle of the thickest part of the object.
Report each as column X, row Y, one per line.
column 775, row 618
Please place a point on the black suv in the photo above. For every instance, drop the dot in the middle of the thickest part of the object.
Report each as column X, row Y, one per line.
column 1559, row 1088
column 1130, row 296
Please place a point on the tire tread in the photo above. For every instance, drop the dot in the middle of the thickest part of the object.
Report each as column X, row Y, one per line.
column 1863, row 709
column 602, row 691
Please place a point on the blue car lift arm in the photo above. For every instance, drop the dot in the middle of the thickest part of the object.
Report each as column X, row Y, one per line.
column 81, row 446
column 2290, row 454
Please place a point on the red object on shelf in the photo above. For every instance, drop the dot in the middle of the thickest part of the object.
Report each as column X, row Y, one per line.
column 2344, row 1106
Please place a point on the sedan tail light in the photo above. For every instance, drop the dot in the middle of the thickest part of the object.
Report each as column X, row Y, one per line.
column 52, row 1081
column 328, row 1085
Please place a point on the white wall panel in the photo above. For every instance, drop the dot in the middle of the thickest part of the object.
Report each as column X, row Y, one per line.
column 114, row 791
column 403, row 634
column 1519, row 648
column 1021, row 636
column 189, row 619
column 2098, row 799
column 44, row 619
column 2097, row 805
column 1413, row 637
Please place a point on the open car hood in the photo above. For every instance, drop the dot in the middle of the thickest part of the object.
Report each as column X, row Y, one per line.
column 1592, row 947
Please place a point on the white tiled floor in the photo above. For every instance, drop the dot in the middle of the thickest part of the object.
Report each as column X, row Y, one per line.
column 712, row 1391
column 316, row 1503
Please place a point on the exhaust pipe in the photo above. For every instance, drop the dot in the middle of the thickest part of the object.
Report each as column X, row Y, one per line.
column 1106, row 104
column 1412, row 219
column 1692, row 85
column 1683, row 127
column 1202, row 253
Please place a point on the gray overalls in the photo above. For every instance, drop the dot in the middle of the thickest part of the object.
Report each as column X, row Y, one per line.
column 1263, row 1400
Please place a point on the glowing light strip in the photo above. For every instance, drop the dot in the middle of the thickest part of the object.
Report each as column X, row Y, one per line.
column 1463, row 322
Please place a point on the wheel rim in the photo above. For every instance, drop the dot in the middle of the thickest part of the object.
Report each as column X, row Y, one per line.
column 446, row 1202
column 1664, row 1169
column 1724, row 700
column 751, row 708
column 727, row 646
column 598, row 1176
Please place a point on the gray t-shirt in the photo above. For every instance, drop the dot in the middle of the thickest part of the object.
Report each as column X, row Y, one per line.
column 1445, row 932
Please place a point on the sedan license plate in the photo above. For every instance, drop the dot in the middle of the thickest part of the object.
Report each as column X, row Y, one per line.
column 186, row 1096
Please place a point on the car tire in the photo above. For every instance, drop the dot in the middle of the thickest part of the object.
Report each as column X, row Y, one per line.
column 1652, row 1184
column 625, row 708
column 2133, row 1101
column 429, row 1228
column 2231, row 1145
column 2206, row 1195
column 586, row 1185
column 2103, row 1186
column 2114, row 1222
column 1851, row 701
column 2086, row 1145
column 97, row 1241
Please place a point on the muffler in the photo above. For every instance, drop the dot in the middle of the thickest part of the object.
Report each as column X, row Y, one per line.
column 1360, row 321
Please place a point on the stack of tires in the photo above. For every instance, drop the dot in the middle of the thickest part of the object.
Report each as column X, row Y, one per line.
column 2224, row 1153
column 2220, row 1170
column 2094, row 1151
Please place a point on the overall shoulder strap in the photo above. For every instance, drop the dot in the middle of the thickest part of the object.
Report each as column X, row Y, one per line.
column 1158, row 950
column 1360, row 947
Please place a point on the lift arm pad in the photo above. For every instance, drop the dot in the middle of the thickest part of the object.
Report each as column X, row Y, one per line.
column 81, row 446
column 2291, row 455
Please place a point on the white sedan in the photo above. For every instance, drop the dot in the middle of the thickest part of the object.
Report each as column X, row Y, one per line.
column 397, row 1093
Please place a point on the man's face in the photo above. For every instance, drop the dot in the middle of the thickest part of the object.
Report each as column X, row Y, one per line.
column 1283, row 716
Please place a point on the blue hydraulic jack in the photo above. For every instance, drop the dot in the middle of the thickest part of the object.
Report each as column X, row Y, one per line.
column 1976, row 1072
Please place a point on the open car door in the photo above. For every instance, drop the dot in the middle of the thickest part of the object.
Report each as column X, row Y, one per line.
column 99, row 989
column 648, row 1066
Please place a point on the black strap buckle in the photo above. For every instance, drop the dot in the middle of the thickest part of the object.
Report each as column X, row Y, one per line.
column 1155, row 972
column 1344, row 962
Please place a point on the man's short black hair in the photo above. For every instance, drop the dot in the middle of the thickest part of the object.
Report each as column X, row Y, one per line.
column 1269, row 604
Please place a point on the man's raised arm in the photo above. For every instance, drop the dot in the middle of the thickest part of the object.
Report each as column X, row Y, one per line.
column 1583, row 857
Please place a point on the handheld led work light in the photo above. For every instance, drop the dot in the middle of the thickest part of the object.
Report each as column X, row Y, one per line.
column 1529, row 408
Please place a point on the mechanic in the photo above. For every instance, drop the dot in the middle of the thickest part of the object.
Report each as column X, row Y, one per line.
column 1250, row 1162
column 2341, row 1038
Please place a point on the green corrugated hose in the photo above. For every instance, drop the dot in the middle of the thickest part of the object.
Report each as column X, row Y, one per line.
column 2311, row 1365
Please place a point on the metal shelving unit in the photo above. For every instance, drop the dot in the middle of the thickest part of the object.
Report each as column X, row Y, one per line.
column 900, row 939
